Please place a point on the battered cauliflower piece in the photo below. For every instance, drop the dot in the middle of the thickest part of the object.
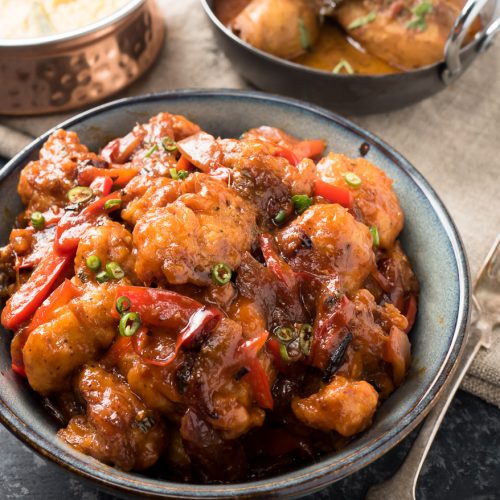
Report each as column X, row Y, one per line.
column 111, row 242
column 374, row 200
column 181, row 242
column 326, row 240
column 343, row 406
column 77, row 333
column 117, row 428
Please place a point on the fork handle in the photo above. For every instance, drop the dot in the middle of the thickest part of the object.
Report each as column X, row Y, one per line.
column 408, row 473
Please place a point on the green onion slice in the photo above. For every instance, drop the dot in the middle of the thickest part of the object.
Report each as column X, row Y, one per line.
column 284, row 353
column 301, row 203
column 305, row 339
column 361, row 21
column 109, row 204
column 285, row 333
column 114, row 270
column 422, row 9
column 129, row 324
column 93, row 262
column 305, row 39
column 169, row 144
column 102, row 277
column 80, row 194
column 221, row 274
column 37, row 220
column 280, row 217
column 352, row 179
column 343, row 64
column 151, row 150
column 174, row 174
column 123, row 304
column 182, row 174
column 375, row 236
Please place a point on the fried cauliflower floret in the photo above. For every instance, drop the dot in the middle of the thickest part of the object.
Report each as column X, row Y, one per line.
column 76, row 333
column 374, row 200
column 45, row 182
column 117, row 428
column 343, row 406
column 181, row 242
column 111, row 242
column 326, row 239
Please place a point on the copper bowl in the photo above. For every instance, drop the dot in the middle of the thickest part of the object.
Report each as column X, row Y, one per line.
column 70, row 70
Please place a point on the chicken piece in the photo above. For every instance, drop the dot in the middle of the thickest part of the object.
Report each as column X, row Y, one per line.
column 46, row 182
column 117, row 428
column 76, row 333
column 326, row 240
column 408, row 34
column 375, row 201
column 254, row 169
column 111, row 242
column 343, row 406
column 284, row 28
column 181, row 242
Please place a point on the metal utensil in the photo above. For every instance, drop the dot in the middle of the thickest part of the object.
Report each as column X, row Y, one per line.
column 486, row 314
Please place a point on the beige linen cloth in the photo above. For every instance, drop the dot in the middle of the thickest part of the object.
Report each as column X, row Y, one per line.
column 452, row 138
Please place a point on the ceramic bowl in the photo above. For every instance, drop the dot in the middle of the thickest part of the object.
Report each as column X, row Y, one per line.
column 429, row 237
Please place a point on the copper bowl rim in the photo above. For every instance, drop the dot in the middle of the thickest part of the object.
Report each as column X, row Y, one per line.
column 43, row 41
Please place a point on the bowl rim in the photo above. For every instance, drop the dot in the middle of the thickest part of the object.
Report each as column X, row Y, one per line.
column 308, row 478
column 42, row 41
column 320, row 72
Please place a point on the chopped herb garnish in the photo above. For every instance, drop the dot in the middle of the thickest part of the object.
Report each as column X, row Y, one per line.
column 109, row 204
column 284, row 353
column 129, row 324
column 114, row 270
column 123, row 304
column 418, row 21
column 151, row 150
column 37, row 220
column 102, row 277
column 352, row 179
column 93, row 263
column 285, row 333
column 305, row 339
column 178, row 175
column 221, row 274
column 80, row 194
column 375, row 236
column 343, row 64
column 280, row 217
column 361, row 21
column 169, row 144
column 301, row 202
column 182, row 174
column 305, row 39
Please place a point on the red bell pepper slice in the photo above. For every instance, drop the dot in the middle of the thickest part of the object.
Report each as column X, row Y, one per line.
column 273, row 346
column 158, row 307
column 286, row 153
column 102, row 185
column 309, row 148
column 120, row 176
column 202, row 322
column 276, row 264
column 60, row 296
column 257, row 376
column 119, row 150
column 33, row 292
column 72, row 226
column 333, row 194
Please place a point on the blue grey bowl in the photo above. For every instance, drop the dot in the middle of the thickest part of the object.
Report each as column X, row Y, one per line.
column 429, row 237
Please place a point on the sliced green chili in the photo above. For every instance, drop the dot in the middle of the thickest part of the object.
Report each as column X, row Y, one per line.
column 221, row 274
column 361, row 21
column 305, row 39
column 151, row 150
column 375, row 236
column 169, row 144
column 285, row 333
column 305, row 339
column 102, row 277
column 114, row 270
column 109, row 204
column 280, row 217
column 352, row 179
column 123, row 304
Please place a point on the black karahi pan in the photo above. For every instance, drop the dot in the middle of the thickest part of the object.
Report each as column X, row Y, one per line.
column 361, row 94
